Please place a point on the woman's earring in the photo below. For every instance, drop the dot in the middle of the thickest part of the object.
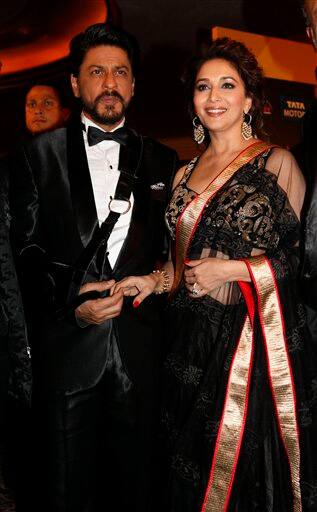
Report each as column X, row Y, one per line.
column 199, row 132
column 246, row 127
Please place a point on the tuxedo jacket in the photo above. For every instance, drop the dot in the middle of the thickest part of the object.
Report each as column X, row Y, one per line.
column 53, row 219
column 309, row 272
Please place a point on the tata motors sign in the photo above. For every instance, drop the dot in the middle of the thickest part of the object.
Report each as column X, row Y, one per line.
column 294, row 108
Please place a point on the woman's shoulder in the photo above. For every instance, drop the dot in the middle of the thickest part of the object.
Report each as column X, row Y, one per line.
column 184, row 172
column 283, row 164
column 279, row 157
column 179, row 175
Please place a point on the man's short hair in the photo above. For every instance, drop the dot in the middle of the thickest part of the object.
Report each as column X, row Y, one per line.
column 102, row 34
column 60, row 91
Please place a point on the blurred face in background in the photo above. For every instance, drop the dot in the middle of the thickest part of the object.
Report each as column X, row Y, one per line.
column 311, row 11
column 43, row 110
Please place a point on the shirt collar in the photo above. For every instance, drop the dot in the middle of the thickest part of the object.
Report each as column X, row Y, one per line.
column 88, row 122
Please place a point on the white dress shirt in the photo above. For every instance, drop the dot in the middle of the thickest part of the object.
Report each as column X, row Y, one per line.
column 103, row 161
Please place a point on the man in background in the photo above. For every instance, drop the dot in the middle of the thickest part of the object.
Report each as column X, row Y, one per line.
column 309, row 281
column 44, row 109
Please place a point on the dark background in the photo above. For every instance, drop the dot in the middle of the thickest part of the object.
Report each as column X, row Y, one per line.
column 168, row 32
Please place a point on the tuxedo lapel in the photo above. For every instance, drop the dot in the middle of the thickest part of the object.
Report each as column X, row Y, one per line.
column 80, row 184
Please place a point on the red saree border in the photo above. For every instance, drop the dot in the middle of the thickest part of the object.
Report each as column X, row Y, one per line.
column 190, row 217
column 232, row 424
column 224, row 462
column 279, row 366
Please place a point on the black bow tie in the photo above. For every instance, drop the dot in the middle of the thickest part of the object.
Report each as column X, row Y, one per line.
column 94, row 135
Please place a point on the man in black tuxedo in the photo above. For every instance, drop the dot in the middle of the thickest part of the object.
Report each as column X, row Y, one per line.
column 95, row 356
column 309, row 281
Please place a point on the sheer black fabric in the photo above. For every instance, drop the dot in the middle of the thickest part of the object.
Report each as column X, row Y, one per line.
column 255, row 212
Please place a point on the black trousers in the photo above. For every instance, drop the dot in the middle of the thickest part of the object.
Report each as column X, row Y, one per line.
column 95, row 447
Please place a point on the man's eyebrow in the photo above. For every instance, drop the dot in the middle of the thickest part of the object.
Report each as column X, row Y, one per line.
column 119, row 66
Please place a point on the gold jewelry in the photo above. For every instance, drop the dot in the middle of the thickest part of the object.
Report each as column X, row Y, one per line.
column 246, row 129
column 166, row 281
column 199, row 132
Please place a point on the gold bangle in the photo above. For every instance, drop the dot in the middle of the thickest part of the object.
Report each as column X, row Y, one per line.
column 166, row 281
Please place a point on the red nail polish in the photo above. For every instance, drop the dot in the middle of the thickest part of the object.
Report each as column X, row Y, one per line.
column 186, row 260
column 136, row 304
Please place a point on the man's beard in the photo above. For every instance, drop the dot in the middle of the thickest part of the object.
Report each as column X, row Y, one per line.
column 111, row 115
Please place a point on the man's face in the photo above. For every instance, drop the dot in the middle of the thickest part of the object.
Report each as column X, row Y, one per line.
column 311, row 10
column 43, row 110
column 105, row 85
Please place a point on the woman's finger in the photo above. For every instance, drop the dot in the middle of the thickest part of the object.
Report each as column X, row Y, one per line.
column 128, row 282
column 131, row 291
column 196, row 292
column 141, row 296
column 190, row 272
column 190, row 280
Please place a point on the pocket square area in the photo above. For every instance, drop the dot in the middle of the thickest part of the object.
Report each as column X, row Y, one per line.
column 158, row 186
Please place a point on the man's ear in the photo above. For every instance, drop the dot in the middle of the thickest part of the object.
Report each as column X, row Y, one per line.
column 75, row 85
column 133, row 86
column 65, row 114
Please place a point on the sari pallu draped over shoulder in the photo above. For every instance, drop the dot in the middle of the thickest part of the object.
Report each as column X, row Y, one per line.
column 262, row 299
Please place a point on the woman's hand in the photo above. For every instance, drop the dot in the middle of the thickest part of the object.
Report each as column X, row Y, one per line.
column 203, row 276
column 139, row 287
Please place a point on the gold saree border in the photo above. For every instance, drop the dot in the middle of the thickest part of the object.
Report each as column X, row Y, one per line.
column 188, row 221
column 279, row 366
column 231, row 429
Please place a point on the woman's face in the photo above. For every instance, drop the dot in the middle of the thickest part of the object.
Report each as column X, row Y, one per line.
column 219, row 96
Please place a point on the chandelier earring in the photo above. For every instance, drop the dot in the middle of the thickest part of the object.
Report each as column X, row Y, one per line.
column 246, row 129
column 199, row 132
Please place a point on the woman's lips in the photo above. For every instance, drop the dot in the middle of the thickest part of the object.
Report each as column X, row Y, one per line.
column 215, row 112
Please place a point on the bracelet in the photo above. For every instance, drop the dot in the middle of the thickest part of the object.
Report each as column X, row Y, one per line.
column 166, row 281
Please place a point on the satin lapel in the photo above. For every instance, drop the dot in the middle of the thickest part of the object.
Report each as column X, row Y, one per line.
column 80, row 184
column 130, row 159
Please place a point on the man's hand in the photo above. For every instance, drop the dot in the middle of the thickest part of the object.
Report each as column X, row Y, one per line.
column 99, row 310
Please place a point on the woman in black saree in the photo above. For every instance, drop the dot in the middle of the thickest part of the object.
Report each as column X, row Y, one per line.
column 240, row 384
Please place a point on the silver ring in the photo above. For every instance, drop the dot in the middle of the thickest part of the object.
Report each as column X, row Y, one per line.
column 195, row 290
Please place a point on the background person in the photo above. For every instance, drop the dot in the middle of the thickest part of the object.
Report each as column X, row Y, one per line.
column 44, row 109
column 309, row 269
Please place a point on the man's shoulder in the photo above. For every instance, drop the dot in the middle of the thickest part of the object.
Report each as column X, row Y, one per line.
column 159, row 154
column 155, row 145
column 46, row 139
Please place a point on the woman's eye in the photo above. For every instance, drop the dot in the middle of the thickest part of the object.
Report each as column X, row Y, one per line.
column 228, row 85
column 202, row 87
